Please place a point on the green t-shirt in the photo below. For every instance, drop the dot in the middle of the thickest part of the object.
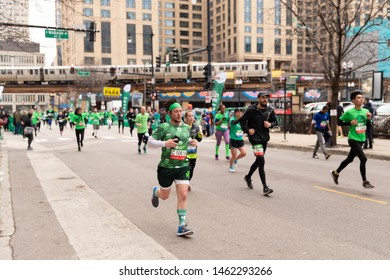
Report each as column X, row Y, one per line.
column 356, row 132
column 173, row 158
column 35, row 117
column 223, row 126
column 110, row 115
column 79, row 120
column 236, row 132
column 95, row 118
column 143, row 120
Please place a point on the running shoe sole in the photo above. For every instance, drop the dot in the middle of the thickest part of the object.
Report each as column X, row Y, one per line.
column 189, row 232
column 335, row 178
column 268, row 192
column 249, row 184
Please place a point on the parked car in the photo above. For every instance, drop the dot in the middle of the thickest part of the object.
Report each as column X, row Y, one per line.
column 382, row 121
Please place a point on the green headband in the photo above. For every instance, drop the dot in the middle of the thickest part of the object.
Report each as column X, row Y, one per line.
column 174, row 106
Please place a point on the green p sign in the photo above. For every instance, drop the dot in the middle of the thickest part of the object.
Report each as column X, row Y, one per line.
column 58, row 34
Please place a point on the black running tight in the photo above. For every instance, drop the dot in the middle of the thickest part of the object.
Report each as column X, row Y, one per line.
column 140, row 138
column 259, row 163
column 79, row 136
column 356, row 150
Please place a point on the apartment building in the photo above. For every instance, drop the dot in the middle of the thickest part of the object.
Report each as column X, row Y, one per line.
column 241, row 30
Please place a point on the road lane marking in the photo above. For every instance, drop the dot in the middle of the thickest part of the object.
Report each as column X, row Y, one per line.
column 95, row 228
column 351, row 195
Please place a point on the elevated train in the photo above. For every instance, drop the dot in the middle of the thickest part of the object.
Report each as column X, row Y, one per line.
column 247, row 71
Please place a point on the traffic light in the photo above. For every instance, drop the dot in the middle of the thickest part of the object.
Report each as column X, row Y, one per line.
column 206, row 72
column 72, row 71
column 158, row 61
column 112, row 71
column 92, row 32
column 175, row 55
column 149, row 90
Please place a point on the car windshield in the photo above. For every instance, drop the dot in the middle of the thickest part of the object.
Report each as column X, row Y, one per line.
column 384, row 109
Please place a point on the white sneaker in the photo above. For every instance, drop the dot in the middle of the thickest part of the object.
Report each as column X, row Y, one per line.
column 231, row 169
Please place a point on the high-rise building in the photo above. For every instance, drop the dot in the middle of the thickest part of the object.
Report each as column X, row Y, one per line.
column 241, row 30
column 12, row 11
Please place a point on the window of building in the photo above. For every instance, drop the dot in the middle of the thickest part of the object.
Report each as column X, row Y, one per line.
column 248, row 11
column 131, row 44
column 169, row 41
column 260, row 30
column 259, row 45
column 146, row 17
column 169, row 32
column 197, row 25
column 278, row 31
column 183, row 7
column 87, row 12
column 197, row 16
column 89, row 60
column 196, row 34
column 289, row 46
column 247, row 44
column 248, row 29
column 88, row 46
column 146, row 31
column 278, row 45
column 278, row 12
column 130, row 15
column 289, row 15
column 105, row 13
column 197, row 42
column 183, row 15
column 184, row 24
column 184, row 33
column 106, row 60
column 169, row 14
column 147, row 4
column 260, row 12
column 196, row 8
column 87, row 1
column 105, row 2
column 130, row 3
column 169, row 22
column 106, row 37
column 131, row 61
column 184, row 41
column 169, row 5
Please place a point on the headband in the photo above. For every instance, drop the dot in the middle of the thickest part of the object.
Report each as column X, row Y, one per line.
column 174, row 106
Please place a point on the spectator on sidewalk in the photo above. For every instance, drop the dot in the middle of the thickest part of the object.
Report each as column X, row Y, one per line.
column 369, row 129
column 320, row 123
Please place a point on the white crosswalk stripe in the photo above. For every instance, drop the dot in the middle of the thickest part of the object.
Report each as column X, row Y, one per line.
column 95, row 229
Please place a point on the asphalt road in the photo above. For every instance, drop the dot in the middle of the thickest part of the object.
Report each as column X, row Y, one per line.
column 93, row 204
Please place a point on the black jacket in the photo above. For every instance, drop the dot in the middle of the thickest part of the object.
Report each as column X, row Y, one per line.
column 254, row 118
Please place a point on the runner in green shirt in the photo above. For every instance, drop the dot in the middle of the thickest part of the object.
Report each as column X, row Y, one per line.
column 236, row 140
column 356, row 118
column 110, row 115
column 35, row 119
column 78, row 120
column 141, row 121
column 173, row 138
column 95, row 117
column 222, row 129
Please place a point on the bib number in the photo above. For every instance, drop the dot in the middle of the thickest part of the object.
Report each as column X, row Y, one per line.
column 224, row 126
column 239, row 133
column 177, row 154
column 258, row 150
column 361, row 129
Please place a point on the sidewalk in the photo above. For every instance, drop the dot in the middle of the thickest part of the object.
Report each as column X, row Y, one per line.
column 305, row 142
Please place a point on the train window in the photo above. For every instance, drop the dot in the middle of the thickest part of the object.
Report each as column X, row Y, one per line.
column 31, row 72
column 3, row 72
column 178, row 69
column 256, row 66
column 234, row 67
column 52, row 72
column 46, row 72
column 36, row 71
column 228, row 67
column 125, row 70
column 157, row 70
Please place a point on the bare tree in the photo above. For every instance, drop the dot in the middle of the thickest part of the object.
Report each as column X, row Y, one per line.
column 340, row 30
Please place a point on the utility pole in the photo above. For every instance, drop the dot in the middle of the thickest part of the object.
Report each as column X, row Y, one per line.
column 208, row 82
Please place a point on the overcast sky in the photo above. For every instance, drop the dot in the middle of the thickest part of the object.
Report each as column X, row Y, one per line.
column 42, row 12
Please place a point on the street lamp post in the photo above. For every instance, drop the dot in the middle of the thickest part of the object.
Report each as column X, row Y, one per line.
column 238, row 83
column 347, row 67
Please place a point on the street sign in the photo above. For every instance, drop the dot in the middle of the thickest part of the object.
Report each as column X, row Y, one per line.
column 111, row 92
column 83, row 73
column 58, row 34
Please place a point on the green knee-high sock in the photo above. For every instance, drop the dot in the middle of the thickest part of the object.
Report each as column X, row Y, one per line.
column 227, row 149
column 216, row 149
column 182, row 213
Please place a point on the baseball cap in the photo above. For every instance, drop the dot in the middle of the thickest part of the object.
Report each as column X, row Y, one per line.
column 262, row 93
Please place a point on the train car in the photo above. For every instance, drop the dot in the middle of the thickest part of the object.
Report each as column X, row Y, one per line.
column 20, row 75
column 247, row 71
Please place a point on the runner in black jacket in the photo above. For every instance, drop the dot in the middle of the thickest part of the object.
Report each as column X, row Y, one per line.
column 256, row 122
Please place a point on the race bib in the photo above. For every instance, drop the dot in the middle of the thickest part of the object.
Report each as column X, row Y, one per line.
column 323, row 124
column 360, row 129
column 178, row 154
column 258, row 150
column 224, row 126
column 239, row 133
column 191, row 150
